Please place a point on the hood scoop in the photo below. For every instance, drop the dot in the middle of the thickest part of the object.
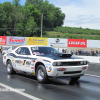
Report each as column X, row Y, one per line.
column 63, row 55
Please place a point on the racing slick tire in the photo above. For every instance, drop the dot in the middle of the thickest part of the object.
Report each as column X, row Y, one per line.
column 41, row 74
column 10, row 69
column 75, row 78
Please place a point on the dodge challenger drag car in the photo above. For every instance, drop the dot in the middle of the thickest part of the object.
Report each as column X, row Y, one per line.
column 44, row 62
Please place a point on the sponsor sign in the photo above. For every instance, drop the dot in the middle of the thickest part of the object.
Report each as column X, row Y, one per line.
column 14, row 47
column 18, row 61
column 57, row 42
column 3, row 40
column 7, row 48
column 77, row 43
column 16, row 40
column 36, row 41
column 93, row 43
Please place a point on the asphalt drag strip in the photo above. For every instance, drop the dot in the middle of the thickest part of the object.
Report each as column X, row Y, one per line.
column 86, row 88
column 9, row 93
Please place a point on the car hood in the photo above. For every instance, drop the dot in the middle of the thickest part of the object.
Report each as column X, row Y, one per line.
column 59, row 56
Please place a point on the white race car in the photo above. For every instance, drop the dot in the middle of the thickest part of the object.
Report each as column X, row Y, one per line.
column 44, row 62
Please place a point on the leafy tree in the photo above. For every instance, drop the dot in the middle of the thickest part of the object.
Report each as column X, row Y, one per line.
column 51, row 14
column 16, row 3
column 2, row 20
column 7, row 11
column 17, row 20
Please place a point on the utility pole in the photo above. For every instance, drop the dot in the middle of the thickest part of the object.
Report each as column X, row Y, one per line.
column 41, row 24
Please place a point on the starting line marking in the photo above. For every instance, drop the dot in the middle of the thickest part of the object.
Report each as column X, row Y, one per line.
column 20, row 92
column 92, row 75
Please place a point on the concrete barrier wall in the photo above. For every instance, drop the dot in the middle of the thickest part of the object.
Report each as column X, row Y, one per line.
column 93, row 59
column 94, row 65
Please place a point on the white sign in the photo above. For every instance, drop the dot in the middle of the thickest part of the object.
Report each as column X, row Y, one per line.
column 7, row 48
column 57, row 42
column 93, row 43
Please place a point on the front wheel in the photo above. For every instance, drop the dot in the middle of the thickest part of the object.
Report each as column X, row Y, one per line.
column 10, row 69
column 41, row 74
column 75, row 78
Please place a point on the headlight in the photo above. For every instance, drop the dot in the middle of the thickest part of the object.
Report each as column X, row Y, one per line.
column 57, row 64
column 54, row 64
column 82, row 62
column 85, row 62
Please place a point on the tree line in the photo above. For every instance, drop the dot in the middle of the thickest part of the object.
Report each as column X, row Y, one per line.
column 18, row 20
column 74, row 30
column 74, row 33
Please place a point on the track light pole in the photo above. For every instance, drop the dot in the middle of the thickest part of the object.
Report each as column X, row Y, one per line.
column 41, row 24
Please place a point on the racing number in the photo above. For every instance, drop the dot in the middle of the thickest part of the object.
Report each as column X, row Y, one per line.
column 24, row 62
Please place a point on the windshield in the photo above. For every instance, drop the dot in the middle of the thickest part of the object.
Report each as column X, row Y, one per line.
column 43, row 50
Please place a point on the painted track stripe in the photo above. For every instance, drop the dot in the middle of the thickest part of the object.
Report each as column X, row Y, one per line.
column 20, row 92
column 92, row 75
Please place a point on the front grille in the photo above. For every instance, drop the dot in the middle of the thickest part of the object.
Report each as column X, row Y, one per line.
column 70, row 63
column 72, row 72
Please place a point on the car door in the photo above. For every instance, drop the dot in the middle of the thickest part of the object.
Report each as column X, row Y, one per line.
column 22, row 60
column 26, row 63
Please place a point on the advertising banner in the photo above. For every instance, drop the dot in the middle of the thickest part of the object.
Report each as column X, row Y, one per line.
column 57, row 42
column 7, row 48
column 16, row 40
column 77, row 43
column 93, row 43
column 14, row 47
column 3, row 40
column 36, row 41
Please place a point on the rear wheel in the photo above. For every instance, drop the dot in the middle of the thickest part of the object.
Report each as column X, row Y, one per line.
column 10, row 69
column 41, row 74
column 75, row 78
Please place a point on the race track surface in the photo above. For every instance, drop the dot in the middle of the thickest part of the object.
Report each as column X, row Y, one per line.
column 86, row 88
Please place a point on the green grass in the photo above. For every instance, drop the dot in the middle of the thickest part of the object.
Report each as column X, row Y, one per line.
column 54, row 34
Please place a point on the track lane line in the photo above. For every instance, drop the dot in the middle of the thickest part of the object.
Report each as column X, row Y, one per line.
column 20, row 92
column 92, row 75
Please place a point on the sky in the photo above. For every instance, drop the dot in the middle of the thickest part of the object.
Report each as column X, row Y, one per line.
column 79, row 13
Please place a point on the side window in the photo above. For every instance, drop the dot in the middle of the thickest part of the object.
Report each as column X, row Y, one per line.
column 26, row 51
column 23, row 51
column 18, row 50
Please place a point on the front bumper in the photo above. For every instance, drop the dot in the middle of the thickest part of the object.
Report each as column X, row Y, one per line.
column 66, row 76
column 70, row 71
